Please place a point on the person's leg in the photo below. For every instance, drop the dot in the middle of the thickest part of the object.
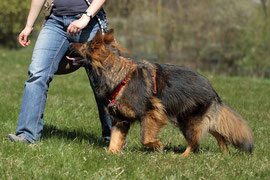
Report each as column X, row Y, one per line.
column 86, row 35
column 106, row 123
column 49, row 49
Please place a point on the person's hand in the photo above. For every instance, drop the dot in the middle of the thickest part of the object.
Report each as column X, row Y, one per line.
column 23, row 36
column 76, row 26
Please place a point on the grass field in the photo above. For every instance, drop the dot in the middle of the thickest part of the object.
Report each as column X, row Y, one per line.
column 72, row 147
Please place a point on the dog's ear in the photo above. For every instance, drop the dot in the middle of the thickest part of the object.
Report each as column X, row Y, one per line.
column 109, row 37
column 98, row 38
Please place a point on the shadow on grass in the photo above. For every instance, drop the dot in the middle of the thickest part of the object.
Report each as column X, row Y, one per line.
column 76, row 135
column 168, row 148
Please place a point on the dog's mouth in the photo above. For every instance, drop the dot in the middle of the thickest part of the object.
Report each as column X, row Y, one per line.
column 75, row 57
column 76, row 60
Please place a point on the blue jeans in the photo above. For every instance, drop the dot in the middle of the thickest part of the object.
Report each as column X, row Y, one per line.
column 50, row 47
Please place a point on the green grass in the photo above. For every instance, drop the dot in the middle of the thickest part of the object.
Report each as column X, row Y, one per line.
column 72, row 147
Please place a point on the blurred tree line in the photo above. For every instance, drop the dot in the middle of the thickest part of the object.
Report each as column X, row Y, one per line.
column 230, row 37
column 13, row 15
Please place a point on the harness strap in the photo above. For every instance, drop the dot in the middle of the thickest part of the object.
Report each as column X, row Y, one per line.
column 116, row 92
column 154, row 84
column 118, row 89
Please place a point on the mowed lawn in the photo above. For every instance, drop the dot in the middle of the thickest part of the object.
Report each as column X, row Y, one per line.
column 72, row 146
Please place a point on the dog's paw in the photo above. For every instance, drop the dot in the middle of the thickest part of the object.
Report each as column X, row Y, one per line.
column 154, row 145
column 185, row 154
column 114, row 151
column 158, row 146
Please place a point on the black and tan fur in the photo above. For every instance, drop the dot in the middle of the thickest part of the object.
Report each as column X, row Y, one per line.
column 183, row 96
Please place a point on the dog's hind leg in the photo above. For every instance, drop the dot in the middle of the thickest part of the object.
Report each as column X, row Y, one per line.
column 221, row 141
column 150, row 128
column 118, row 136
column 194, row 131
column 192, row 146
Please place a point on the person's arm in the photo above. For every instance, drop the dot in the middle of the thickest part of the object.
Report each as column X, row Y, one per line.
column 35, row 8
column 76, row 26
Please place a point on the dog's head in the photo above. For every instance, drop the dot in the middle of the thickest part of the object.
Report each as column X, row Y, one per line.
column 99, row 52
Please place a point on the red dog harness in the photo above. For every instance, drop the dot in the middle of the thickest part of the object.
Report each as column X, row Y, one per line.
column 154, row 84
column 116, row 91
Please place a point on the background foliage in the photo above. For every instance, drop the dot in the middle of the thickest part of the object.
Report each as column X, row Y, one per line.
column 13, row 16
column 228, row 37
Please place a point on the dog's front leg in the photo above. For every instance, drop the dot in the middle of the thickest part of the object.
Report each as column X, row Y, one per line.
column 118, row 137
column 150, row 128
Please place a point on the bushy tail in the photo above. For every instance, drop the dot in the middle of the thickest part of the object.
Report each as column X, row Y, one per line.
column 234, row 129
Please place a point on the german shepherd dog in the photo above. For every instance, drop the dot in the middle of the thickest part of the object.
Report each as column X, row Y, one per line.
column 153, row 93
